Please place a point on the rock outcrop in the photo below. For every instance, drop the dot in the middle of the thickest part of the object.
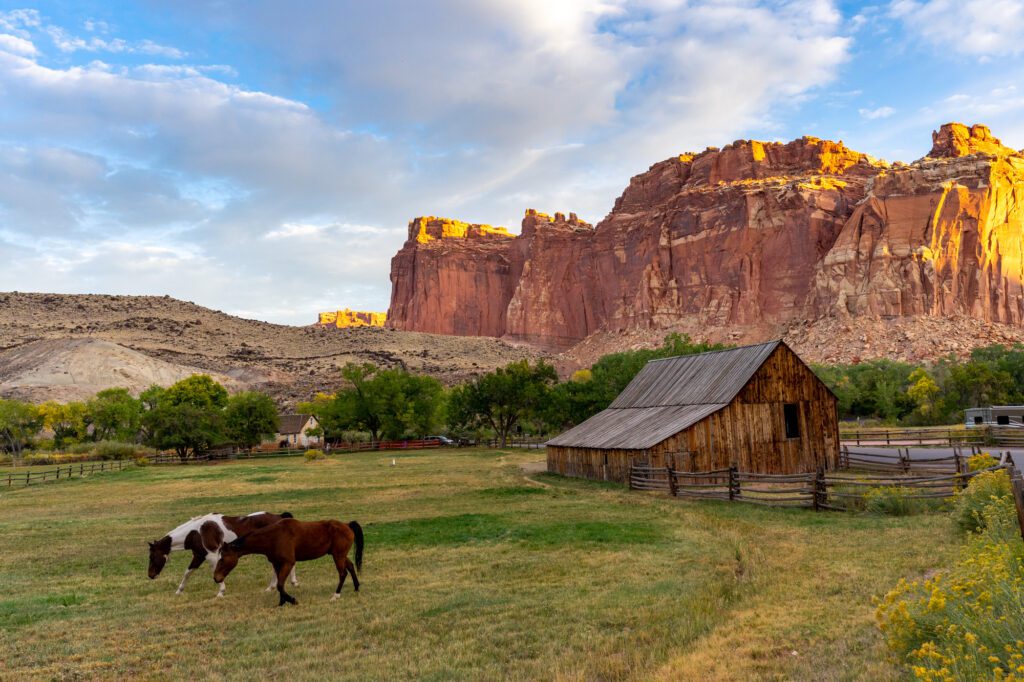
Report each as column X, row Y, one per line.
column 738, row 243
column 343, row 319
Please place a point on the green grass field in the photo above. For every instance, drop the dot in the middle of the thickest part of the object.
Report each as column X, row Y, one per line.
column 472, row 571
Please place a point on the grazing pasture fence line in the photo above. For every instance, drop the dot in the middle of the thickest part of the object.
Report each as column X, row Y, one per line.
column 819, row 490
column 999, row 436
column 64, row 472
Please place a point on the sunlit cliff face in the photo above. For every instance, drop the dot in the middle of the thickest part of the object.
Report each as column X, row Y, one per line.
column 352, row 318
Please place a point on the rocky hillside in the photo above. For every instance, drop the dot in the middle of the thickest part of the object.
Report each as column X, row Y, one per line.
column 840, row 253
column 49, row 340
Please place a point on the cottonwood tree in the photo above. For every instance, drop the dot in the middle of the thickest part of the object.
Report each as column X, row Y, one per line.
column 66, row 420
column 250, row 418
column 187, row 417
column 389, row 402
column 114, row 415
column 19, row 423
column 503, row 398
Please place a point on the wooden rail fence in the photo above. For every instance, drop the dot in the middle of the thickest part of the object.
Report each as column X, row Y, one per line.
column 63, row 472
column 943, row 436
column 818, row 490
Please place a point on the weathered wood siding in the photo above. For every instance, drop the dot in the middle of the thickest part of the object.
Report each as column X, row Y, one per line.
column 749, row 433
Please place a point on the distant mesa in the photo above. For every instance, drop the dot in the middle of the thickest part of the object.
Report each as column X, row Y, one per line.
column 343, row 319
column 742, row 242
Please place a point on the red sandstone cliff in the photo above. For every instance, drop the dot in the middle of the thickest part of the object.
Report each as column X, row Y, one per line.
column 738, row 242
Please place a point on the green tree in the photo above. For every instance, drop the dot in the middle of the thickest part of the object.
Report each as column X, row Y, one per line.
column 187, row 417
column 66, row 420
column 389, row 403
column 19, row 423
column 114, row 415
column 503, row 398
column 923, row 391
column 250, row 418
column 198, row 390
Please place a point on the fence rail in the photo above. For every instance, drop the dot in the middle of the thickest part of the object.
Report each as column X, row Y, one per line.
column 232, row 454
column 999, row 436
column 814, row 490
column 64, row 472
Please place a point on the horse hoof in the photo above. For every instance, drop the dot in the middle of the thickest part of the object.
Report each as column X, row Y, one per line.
column 335, row 596
column 219, row 595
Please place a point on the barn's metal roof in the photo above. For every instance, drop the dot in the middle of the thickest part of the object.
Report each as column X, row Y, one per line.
column 713, row 377
column 667, row 396
column 633, row 428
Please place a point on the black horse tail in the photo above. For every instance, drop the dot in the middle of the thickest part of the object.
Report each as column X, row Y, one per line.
column 358, row 531
column 287, row 515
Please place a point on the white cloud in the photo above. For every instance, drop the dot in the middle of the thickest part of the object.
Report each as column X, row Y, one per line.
column 247, row 200
column 16, row 45
column 980, row 28
column 874, row 114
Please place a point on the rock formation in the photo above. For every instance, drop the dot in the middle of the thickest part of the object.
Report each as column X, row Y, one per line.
column 351, row 318
column 738, row 243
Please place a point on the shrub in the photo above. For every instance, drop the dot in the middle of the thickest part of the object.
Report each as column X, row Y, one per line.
column 980, row 461
column 890, row 500
column 893, row 500
column 111, row 449
column 314, row 455
column 965, row 625
column 969, row 504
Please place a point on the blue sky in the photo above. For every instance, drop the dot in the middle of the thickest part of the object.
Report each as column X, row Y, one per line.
column 263, row 157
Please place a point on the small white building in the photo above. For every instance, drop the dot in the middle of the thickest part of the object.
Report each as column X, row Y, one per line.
column 293, row 428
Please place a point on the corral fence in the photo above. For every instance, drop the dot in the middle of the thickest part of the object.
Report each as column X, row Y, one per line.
column 819, row 490
column 997, row 436
column 60, row 473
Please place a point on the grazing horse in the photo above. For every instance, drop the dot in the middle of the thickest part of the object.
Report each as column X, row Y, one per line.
column 205, row 536
column 289, row 541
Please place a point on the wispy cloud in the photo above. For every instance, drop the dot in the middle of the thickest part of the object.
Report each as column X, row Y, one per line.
column 874, row 114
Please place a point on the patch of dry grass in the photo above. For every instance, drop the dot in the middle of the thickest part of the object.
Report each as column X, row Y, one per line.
column 471, row 572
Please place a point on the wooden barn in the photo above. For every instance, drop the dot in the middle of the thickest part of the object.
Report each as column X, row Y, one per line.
column 759, row 408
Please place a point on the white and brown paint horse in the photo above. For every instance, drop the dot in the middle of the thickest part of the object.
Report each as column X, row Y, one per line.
column 205, row 536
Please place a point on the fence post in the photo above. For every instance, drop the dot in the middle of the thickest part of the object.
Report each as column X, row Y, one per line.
column 734, row 483
column 904, row 466
column 672, row 489
column 819, row 489
column 1017, row 484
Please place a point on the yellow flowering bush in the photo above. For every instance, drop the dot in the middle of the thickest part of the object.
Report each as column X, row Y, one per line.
column 967, row 624
column 970, row 503
column 980, row 461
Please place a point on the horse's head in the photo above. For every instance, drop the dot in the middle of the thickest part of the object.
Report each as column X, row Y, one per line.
column 158, row 551
column 229, row 554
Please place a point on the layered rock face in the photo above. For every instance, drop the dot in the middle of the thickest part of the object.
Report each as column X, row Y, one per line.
column 343, row 319
column 738, row 242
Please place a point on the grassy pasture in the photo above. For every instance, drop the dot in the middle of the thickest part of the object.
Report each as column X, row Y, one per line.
column 472, row 571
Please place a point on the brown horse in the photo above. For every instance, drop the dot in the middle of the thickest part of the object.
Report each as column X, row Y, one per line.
column 289, row 541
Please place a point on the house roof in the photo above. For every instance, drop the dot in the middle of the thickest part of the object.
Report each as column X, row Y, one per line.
column 292, row 423
column 667, row 396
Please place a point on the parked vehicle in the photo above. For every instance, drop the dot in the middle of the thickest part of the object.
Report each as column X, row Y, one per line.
column 443, row 440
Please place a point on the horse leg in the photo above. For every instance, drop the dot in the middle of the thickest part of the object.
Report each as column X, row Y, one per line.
column 196, row 562
column 352, row 569
column 273, row 577
column 283, row 569
column 340, row 562
column 295, row 580
column 213, row 559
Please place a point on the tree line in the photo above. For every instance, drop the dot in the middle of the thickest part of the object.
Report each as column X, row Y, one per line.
column 189, row 417
column 197, row 413
column 927, row 393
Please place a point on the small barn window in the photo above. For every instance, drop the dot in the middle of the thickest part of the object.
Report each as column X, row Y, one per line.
column 791, row 414
column 979, row 420
column 1003, row 420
